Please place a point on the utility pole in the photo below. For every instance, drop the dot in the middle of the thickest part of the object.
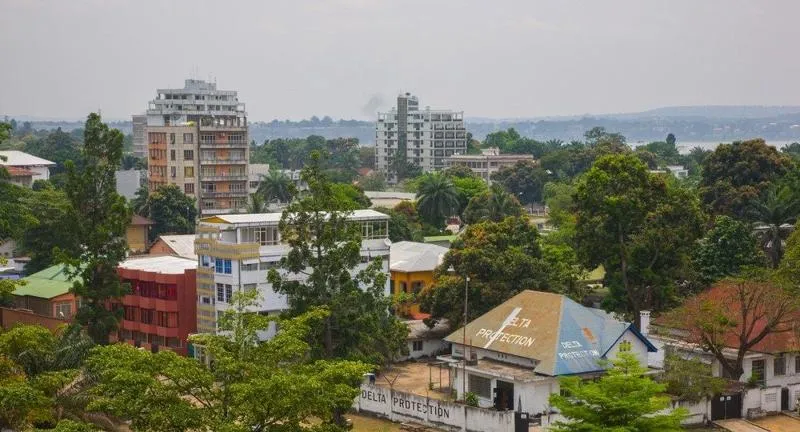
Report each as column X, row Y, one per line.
column 464, row 342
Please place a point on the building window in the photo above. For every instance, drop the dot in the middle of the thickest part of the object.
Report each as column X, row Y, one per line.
column 223, row 266
column 416, row 346
column 264, row 236
column 253, row 184
column 188, row 188
column 249, row 287
column 625, row 346
column 416, row 287
column 63, row 310
column 249, row 267
column 188, row 138
column 188, row 155
column 172, row 155
column 130, row 313
column 173, row 172
column 481, row 386
column 205, row 300
column 158, row 138
column 205, row 261
column 797, row 364
column 267, row 265
column 188, row 171
column 779, row 366
column 224, row 293
column 758, row 371
column 208, row 204
column 148, row 316
column 172, row 139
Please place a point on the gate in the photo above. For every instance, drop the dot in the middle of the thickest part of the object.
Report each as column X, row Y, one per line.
column 785, row 399
column 523, row 421
column 726, row 406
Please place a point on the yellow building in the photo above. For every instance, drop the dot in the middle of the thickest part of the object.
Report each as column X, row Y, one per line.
column 137, row 234
column 411, row 266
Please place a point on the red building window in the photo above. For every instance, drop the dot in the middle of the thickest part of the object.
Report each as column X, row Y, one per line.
column 130, row 313
column 148, row 316
column 167, row 319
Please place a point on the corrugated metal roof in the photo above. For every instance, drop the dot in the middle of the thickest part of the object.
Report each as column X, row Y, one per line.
column 48, row 283
column 407, row 257
column 164, row 264
column 18, row 158
column 563, row 336
column 182, row 244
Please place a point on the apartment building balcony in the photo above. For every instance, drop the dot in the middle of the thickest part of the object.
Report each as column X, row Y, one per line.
column 223, row 144
column 241, row 125
column 228, row 194
column 222, row 161
column 221, row 177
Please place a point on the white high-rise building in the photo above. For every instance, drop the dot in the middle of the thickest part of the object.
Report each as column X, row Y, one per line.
column 235, row 252
column 424, row 137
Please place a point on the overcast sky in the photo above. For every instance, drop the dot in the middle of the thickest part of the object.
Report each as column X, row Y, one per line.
column 347, row 58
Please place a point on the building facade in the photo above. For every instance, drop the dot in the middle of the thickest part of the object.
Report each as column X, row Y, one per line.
column 236, row 251
column 412, row 265
column 423, row 137
column 487, row 163
column 139, row 135
column 26, row 168
column 515, row 353
column 161, row 309
column 197, row 139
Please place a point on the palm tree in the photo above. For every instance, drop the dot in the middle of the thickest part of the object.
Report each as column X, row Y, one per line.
column 772, row 213
column 140, row 204
column 276, row 186
column 257, row 204
column 437, row 198
column 495, row 205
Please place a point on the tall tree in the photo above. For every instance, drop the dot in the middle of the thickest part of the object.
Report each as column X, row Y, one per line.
column 725, row 250
column 624, row 399
column 639, row 226
column 276, row 187
column 100, row 217
column 172, row 211
column 735, row 175
column 140, row 203
column 493, row 205
column 49, row 208
column 437, row 198
column 325, row 249
column 374, row 181
column 501, row 259
column 525, row 180
column 736, row 314
column 775, row 213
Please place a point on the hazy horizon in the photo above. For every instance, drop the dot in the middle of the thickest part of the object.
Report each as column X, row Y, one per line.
column 349, row 58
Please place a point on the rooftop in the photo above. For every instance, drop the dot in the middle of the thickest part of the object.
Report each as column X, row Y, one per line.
column 407, row 256
column 563, row 336
column 182, row 244
column 274, row 218
column 164, row 264
column 417, row 329
column 18, row 158
column 140, row 220
column 48, row 283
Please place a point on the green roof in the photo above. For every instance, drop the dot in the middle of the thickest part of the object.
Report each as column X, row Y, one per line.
column 597, row 274
column 48, row 283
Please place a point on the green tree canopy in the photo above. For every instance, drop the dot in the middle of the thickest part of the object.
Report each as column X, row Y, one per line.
column 99, row 218
column 622, row 400
column 437, row 199
column 374, row 181
column 276, row 187
column 726, row 248
column 172, row 211
column 325, row 249
column 639, row 226
column 493, row 205
column 735, row 175
column 525, row 180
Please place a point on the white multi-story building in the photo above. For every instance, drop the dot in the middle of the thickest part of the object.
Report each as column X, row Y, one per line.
column 197, row 139
column 235, row 252
column 424, row 137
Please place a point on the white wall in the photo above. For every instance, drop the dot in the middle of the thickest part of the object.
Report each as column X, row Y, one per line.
column 638, row 347
column 400, row 406
column 430, row 348
column 40, row 172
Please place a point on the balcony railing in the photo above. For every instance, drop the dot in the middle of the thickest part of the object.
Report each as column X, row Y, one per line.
column 220, row 177
column 222, row 161
column 229, row 194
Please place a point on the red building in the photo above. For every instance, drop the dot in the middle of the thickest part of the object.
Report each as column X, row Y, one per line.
column 161, row 311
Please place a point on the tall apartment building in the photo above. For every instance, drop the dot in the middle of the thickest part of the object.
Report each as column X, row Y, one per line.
column 423, row 137
column 139, row 135
column 235, row 252
column 197, row 139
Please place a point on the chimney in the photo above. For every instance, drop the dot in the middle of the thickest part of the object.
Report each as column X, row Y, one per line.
column 644, row 322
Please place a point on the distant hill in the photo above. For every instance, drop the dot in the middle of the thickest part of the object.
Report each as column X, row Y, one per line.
column 689, row 123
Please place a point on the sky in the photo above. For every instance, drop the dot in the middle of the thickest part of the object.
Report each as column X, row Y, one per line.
column 350, row 58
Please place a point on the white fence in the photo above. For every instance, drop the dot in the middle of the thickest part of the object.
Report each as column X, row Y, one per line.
column 406, row 407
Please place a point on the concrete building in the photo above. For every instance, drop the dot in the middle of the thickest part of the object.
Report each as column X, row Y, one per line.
column 139, row 135
column 137, row 234
column 47, row 293
column 487, row 163
column 181, row 245
column 161, row 309
column 25, row 168
column 237, row 250
column 423, row 137
column 516, row 352
column 129, row 181
column 254, row 174
column 197, row 139
column 423, row 341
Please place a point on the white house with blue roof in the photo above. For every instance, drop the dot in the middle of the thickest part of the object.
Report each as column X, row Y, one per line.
column 516, row 352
